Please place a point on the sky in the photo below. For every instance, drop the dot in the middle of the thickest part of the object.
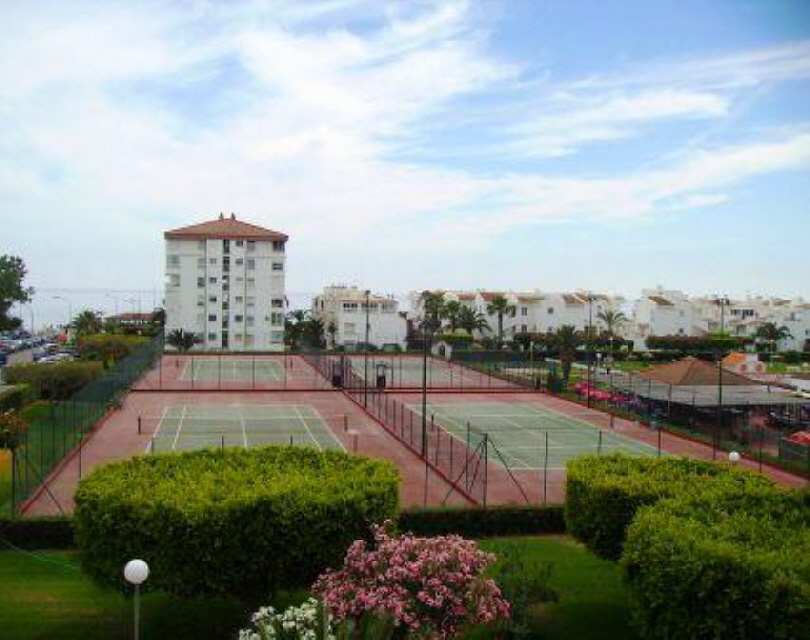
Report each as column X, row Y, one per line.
column 518, row 145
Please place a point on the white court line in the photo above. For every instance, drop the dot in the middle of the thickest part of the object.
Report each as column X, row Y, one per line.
column 306, row 426
column 183, row 375
column 179, row 428
column 157, row 430
column 328, row 428
column 244, row 430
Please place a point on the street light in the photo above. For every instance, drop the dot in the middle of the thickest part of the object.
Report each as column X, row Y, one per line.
column 136, row 572
column 722, row 302
column 365, row 358
column 70, row 308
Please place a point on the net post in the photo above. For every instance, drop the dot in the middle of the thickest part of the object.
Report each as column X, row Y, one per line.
column 345, row 422
column 659, row 440
column 467, row 460
column 152, row 445
column 612, row 421
column 223, row 442
column 139, row 425
column 599, row 444
column 451, row 456
column 291, row 440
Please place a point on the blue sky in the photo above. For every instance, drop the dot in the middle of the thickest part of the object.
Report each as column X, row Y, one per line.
column 517, row 145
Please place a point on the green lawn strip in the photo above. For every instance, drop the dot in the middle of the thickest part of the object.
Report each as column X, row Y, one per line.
column 45, row 596
column 593, row 602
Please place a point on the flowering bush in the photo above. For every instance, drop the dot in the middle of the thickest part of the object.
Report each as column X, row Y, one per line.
column 431, row 587
column 304, row 622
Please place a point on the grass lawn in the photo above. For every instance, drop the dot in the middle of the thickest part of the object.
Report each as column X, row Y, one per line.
column 593, row 601
column 47, row 597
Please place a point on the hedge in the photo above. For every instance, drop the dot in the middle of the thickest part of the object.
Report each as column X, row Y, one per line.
column 481, row 523
column 54, row 380
column 603, row 493
column 15, row 397
column 38, row 533
column 726, row 565
column 240, row 521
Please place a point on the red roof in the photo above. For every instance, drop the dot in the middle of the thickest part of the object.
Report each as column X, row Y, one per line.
column 693, row 372
column 224, row 228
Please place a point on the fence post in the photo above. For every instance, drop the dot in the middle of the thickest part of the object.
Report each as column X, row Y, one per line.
column 545, row 471
column 659, row 440
column 139, row 425
column 599, row 445
column 345, row 423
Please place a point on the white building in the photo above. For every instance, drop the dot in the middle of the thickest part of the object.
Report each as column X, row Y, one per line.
column 225, row 282
column 661, row 312
column 343, row 312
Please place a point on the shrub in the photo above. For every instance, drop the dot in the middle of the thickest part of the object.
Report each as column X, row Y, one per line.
column 603, row 493
column 108, row 347
column 54, row 380
column 242, row 521
column 481, row 523
column 15, row 397
column 433, row 586
column 728, row 564
column 304, row 622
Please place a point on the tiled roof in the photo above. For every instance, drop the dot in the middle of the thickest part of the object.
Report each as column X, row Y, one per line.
column 737, row 357
column 529, row 297
column 224, row 228
column 489, row 296
column 693, row 372
column 659, row 300
column 572, row 299
column 465, row 296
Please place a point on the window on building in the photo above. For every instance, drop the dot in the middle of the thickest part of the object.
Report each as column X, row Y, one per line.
column 238, row 299
column 278, row 245
column 350, row 307
column 226, row 246
column 200, row 302
column 240, row 243
column 212, row 280
column 212, row 260
column 201, row 245
column 277, row 336
column 174, row 279
column 212, row 317
column 250, row 321
column 226, row 286
column 201, row 263
column 212, row 299
column 237, row 337
column 251, row 245
column 239, row 262
column 238, row 318
column 277, row 303
column 524, row 328
column 251, row 282
column 172, row 261
column 201, row 282
column 277, row 319
column 278, row 266
column 251, row 264
column 251, row 301
column 212, row 336
column 524, row 311
column 551, row 311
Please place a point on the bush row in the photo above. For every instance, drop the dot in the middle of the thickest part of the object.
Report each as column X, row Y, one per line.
column 603, row 493
column 732, row 563
column 53, row 380
column 15, row 397
column 38, row 533
column 234, row 521
column 108, row 347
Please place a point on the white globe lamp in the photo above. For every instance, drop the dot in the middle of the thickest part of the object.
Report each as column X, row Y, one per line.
column 136, row 572
column 733, row 457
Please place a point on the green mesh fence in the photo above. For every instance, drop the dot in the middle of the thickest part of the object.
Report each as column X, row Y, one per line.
column 57, row 428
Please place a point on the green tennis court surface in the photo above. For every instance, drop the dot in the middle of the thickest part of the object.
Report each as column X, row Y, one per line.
column 188, row 427
column 408, row 371
column 232, row 370
column 518, row 431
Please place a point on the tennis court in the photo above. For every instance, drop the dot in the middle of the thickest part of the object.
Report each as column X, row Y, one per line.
column 232, row 370
column 185, row 427
column 407, row 371
column 531, row 437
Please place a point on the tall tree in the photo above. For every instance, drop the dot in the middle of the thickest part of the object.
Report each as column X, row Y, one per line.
column 87, row 322
column 294, row 324
column 614, row 320
column 471, row 320
column 567, row 339
column 182, row 340
column 12, row 274
column 450, row 312
column 501, row 307
column 433, row 306
column 158, row 317
column 772, row 334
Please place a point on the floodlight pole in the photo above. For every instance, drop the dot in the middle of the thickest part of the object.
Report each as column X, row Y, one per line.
column 722, row 302
column 365, row 358
column 590, row 346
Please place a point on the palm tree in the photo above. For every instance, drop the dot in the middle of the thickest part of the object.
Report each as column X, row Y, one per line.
column 182, row 340
column 450, row 312
column 613, row 320
column 87, row 322
column 772, row 334
column 332, row 331
column 567, row 339
column 500, row 307
column 471, row 320
column 312, row 332
column 294, row 326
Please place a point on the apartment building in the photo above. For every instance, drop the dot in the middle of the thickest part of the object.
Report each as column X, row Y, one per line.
column 225, row 282
column 343, row 312
column 663, row 312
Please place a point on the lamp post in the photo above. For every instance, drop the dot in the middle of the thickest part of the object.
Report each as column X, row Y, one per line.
column 590, row 346
column 70, row 308
column 365, row 358
column 136, row 572
column 722, row 302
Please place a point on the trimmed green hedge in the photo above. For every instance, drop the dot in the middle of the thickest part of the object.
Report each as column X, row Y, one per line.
column 482, row 523
column 728, row 564
column 38, row 533
column 54, row 380
column 603, row 493
column 240, row 521
column 15, row 397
